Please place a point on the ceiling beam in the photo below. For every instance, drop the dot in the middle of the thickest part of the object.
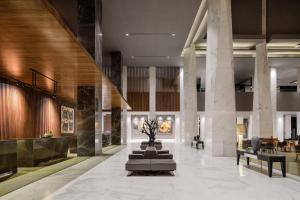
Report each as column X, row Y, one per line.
column 196, row 24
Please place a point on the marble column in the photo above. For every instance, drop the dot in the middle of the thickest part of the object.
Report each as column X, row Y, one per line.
column 116, row 78
column 273, row 84
column 250, row 130
column 287, row 126
column 190, row 118
column 98, row 120
column 220, row 114
column 124, row 112
column 88, row 143
column 262, row 105
column 152, row 92
column 298, row 90
column 280, row 127
column 181, row 104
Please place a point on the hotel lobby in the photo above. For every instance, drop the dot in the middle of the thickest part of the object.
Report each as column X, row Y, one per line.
column 149, row 99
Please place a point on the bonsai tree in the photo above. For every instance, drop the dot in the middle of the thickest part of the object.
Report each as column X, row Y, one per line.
column 150, row 128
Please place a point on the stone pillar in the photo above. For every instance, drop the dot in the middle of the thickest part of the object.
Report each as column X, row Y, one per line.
column 124, row 113
column 152, row 92
column 116, row 78
column 87, row 132
column 202, row 127
column 274, row 100
column 287, row 126
column 190, row 118
column 220, row 115
column 298, row 90
column 98, row 120
column 280, row 127
column 250, row 130
column 180, row 136
column 262, row 105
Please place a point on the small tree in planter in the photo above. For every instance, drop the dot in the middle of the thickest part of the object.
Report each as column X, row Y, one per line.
column 150, row 128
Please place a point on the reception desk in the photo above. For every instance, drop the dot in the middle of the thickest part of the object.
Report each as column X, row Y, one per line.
column 33, row 151
column 8, row 156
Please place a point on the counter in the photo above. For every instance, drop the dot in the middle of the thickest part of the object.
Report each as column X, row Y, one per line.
column 30, row 152
column 8, row 156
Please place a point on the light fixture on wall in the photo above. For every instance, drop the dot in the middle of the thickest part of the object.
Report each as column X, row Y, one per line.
column 294, row 82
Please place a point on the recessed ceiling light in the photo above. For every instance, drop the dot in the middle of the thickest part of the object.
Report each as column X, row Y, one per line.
column 100, row 34
column 127, row 34
column 168, row 57
column 297, row 46
column 173, row 34
column 132, row 57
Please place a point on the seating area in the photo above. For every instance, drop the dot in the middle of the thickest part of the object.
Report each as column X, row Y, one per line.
column 285, row 153
column 150, row 159
column 197, row 142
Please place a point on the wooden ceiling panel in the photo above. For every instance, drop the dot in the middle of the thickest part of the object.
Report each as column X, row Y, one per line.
column 31, row 37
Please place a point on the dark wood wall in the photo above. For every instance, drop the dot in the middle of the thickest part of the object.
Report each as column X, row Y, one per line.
column 138, row 88
column 26, row 113
column 167, row 89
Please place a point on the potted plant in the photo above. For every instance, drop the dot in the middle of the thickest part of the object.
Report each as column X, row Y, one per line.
column 150, row 128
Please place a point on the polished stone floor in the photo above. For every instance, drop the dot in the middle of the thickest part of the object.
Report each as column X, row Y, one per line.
column 198, row 177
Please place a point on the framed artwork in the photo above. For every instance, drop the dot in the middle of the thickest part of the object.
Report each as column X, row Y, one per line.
column 165, row 124
column 67, row 119
column 137, row 122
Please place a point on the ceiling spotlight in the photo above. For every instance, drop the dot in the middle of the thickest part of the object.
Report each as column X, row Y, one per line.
column 297, row 46
column 100, row 34
column 132, row 57
column 168, row 57
column 173, row 34
column 127, row 34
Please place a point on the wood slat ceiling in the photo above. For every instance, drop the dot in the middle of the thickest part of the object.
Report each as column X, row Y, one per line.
column 31, row 37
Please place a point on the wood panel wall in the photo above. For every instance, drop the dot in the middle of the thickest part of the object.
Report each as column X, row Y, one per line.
column 138, row 88
column 139, row 101
column 167, row 89
column 26, row 113
column 168, row 101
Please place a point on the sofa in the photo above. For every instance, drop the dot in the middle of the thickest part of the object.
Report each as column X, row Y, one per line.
column 157, row 145
column 150, row 160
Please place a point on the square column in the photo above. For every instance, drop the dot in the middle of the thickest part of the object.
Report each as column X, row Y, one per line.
column 88, row 132
column 152, row 92
column 190, row 118
column 116, row 78
column 262, row 104
column 180, row 136
column 220, row 114
column 280, row 127
column 274, row 100
column 298, row 90
column 124, row 112
column 287, row 126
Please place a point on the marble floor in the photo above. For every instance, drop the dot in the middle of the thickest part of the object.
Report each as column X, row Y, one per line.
column 198, row 176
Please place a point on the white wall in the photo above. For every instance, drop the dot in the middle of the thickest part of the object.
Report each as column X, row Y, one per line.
column 175, row 137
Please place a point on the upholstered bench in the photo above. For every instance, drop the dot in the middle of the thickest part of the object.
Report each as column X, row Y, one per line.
column 163, row 165
column 138, row 165
column 150, row 165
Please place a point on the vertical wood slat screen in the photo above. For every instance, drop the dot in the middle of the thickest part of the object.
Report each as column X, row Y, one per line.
column 25, row 113
column 138, row 88
column 167, row 89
